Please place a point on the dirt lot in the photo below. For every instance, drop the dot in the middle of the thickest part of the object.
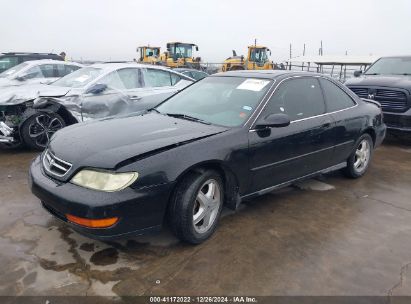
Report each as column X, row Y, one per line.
column 329, row 236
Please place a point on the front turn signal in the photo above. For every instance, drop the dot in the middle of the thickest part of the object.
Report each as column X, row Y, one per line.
column 92, row 223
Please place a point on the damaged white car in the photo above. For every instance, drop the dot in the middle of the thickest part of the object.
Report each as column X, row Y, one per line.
column 30, row 116
column 37, row 71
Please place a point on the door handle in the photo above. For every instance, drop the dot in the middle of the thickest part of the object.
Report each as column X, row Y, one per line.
column 135, row 97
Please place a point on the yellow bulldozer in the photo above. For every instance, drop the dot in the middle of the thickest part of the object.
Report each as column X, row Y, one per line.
column 257, row 59
column 149, row 54
column 179, row 55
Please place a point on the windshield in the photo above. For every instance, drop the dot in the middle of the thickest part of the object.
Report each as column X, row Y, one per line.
column 225, row 101
column 391, row 66
column 14, row 70
column 259, row 55
column 79, row 78
column 182, row 51
column 152, row 52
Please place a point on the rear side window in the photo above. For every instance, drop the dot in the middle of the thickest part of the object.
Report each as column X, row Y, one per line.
column 174, row 78
column 298, row 98
column 335, row 97
column 156, row 78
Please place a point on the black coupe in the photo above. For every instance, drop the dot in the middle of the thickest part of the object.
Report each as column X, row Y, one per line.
column 228, row 137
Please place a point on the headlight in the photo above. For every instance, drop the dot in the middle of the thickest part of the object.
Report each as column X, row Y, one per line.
column 104, row 181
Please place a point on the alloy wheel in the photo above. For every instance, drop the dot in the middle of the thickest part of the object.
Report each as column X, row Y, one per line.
column 206, row 206
column 362, row 156
column 43, row 127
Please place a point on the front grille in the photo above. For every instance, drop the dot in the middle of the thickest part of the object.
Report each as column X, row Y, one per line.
column 55, row 165
column 360, row 92
column 390, row 100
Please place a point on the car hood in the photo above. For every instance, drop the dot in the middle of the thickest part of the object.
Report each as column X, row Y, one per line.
column 11, row 95
column 393, row 81
column 109, row 142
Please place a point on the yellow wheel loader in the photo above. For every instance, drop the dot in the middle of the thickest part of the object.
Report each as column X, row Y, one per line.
column 149, row 54
column 179, row 55
column 257, row 59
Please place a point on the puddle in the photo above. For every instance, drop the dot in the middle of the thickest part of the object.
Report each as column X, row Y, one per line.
column 105, row 257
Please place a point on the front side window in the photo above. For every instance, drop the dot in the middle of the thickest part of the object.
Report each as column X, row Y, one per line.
column 335, row 97
column 8, row 62
column 65, row 69
column 113, row 81
column 156, row 78
column 226, row 101
column 79, row 78
column 34, row 72
column 130, row 78
column 47, row 70
column 298, row 98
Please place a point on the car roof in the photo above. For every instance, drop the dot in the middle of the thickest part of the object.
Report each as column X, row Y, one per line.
column 267, row 74
column 398, row 56
column 29, row 54
column 51, row 61
column 190, row 70
column 111, row 66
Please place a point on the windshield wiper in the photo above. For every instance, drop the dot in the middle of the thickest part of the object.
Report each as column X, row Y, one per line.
column 155, row 110
column 405, row 74
column 188, row 117
column 371, row 74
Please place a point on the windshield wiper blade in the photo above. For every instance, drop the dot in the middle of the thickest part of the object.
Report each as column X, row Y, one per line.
column 188, row 117
column 154, row 110
column 371, row 74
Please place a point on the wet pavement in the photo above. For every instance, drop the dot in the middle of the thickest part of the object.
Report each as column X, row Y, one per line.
column 327, row 236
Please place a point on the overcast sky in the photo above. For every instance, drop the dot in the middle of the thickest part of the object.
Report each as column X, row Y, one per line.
column 112, row 29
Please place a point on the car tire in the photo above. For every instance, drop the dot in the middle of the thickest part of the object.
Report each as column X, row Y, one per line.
column 359, row 160
column 37, row 130
column 195, row 206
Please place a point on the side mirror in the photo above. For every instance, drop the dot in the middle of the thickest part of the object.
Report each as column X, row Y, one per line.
column 197, row 48
column 357, row 73
column 96, row 88
column 274, row 121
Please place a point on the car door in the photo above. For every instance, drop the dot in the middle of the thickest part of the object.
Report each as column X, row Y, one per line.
column 279, row 155
column 348, row 121
column 114, row 100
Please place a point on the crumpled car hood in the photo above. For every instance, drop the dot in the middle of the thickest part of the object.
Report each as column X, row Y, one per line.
column 394, row 81
column 109, row 142
column 12, row 95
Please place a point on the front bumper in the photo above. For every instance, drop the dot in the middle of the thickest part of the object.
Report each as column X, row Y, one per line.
column 140, row 210
column 398, row 122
